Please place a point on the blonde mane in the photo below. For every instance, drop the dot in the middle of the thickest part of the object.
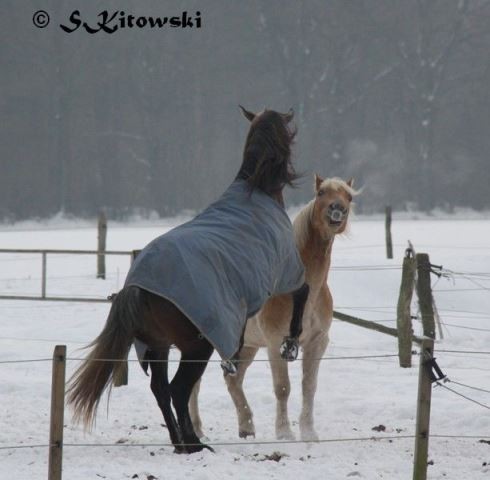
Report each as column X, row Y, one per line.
column 301, row 223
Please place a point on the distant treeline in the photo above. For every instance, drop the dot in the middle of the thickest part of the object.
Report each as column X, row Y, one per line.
column 392, row 92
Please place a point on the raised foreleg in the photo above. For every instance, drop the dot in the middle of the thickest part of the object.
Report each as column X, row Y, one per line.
column 290, row 346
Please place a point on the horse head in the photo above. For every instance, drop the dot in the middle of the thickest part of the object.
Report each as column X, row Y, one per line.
column 332, row 205
column 267, row 162
column 250, row 116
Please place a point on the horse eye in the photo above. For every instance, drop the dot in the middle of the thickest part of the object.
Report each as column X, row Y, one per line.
column 320, row 193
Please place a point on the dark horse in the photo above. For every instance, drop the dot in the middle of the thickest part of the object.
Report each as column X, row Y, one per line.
column 204, row 291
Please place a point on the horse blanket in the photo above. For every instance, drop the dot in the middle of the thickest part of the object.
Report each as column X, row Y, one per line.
column 222, row 266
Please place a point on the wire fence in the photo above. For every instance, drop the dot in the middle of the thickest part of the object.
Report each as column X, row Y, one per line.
column 440, row 384
column 259, row 360
column 372, row 438
column 475, row 278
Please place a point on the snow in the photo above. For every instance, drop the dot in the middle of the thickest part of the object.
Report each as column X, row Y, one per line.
column 353, row 395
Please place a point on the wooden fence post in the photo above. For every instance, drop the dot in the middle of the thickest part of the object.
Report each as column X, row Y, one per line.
column 43, row 275
column 134, row 254
column 389, row 243
column 424, row 293
column 101, row 245
column 57, row 413
column 403, row 313
column 423, row 411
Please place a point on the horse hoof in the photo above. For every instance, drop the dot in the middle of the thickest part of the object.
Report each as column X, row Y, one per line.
column 192, row 448
column 229, row 367
column 244, row 434
column 211, row 449
column 180, row 449
column 199, row 448
column 289, row 349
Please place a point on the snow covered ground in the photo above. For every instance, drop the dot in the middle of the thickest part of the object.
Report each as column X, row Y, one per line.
column 354, row 395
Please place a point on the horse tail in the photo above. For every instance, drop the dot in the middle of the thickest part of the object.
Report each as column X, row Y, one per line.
column 107, row 360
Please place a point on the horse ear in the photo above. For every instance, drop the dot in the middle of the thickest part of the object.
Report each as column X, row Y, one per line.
column 289, row 116
column 248, row 115
column 350, row 182
column 318, row 182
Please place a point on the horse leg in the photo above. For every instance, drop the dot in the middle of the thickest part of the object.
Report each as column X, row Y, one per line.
column 161, row 389
column 282, row 388
column 230, row 366
column 234, row 383
column 312, row 352
column 192, row 365
column 194, row 410
column 289, row 348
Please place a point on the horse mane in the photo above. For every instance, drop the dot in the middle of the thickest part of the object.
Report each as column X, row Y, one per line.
column 336, row 183
column 266, row 161
column 301, row 224
column 302, row 221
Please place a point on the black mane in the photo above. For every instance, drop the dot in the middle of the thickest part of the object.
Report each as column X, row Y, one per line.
column 267, row 154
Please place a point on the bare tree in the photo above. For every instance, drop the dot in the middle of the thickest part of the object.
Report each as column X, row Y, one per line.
column 428, row 36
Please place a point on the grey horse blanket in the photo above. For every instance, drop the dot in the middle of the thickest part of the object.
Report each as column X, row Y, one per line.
column 222, row 266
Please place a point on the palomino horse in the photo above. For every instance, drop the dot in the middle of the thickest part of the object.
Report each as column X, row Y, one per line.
column 315, row 229
column 196, row 286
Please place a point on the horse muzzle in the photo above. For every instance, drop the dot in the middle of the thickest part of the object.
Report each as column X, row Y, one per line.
column 336, row 214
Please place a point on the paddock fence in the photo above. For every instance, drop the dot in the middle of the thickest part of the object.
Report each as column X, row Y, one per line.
column 415, row 279
column 56, row 444
column 44, row 272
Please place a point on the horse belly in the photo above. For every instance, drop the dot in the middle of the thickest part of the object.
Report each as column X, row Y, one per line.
column 254, row 337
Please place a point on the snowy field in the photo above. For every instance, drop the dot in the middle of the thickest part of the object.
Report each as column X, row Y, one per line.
column 354, row 395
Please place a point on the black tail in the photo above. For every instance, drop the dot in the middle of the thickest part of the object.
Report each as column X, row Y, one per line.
column 98, row 371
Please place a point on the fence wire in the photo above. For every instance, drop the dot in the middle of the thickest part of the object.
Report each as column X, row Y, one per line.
column 346, row 357
column 467, row 386
column 81, row 359
column 463, row 396
column 250, row 442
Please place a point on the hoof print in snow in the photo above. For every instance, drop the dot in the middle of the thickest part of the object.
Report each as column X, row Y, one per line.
column 274, row 456
column 379, row 428
column 354, row 474
column 141, row 427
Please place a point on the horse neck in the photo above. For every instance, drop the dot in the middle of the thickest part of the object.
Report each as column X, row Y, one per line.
column 278, row 197
column 315, row 252
column 320, row 246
